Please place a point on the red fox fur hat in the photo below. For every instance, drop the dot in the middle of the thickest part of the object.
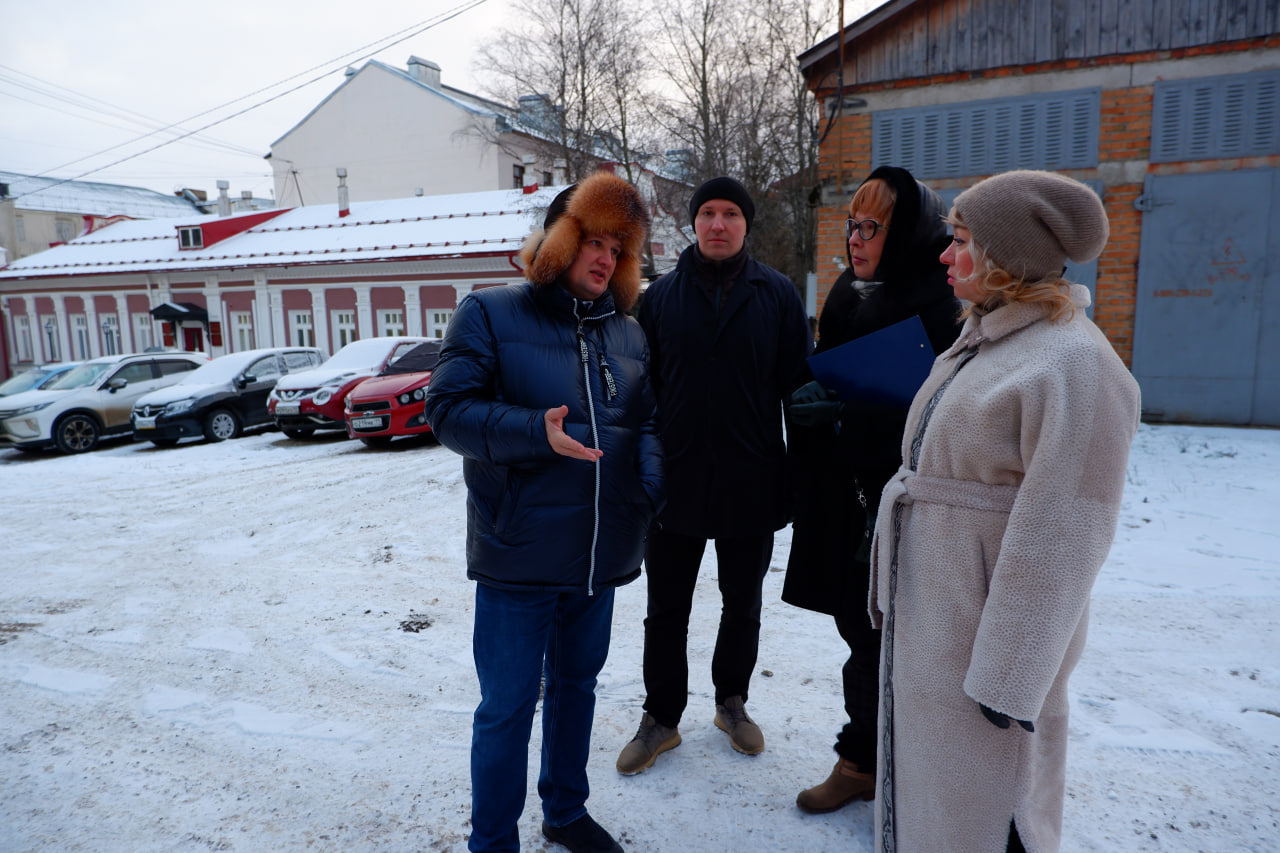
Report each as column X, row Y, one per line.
column 600, row 204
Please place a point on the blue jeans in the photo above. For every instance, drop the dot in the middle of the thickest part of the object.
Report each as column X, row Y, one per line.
column 517, row 634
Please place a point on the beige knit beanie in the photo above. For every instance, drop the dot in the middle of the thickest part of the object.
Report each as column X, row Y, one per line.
column 1031, row 222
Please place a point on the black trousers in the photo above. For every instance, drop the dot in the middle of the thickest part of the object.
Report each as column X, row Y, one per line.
column 856, row 741
column 671, row 566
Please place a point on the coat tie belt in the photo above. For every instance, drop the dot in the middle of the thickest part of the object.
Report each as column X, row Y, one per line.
column 906, row 488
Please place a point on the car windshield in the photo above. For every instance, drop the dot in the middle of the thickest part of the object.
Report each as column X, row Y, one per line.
column 361, row 355
column 219, row 370
column 79, row 377
column 30, row 379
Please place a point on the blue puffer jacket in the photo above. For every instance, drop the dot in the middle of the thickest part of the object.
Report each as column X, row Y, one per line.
column 535, row 518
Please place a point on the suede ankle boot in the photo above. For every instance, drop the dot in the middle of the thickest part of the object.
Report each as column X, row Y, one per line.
column 843, row 786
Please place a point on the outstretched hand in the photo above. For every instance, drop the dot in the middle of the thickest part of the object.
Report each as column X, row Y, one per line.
column 560, row 440
column 1002, row 721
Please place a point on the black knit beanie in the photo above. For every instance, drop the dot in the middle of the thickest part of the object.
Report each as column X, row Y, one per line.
column 723, row 188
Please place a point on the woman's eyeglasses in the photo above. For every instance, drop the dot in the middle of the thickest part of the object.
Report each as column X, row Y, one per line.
column 866, row 229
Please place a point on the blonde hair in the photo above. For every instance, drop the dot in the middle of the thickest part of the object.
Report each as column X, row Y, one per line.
column 1001, row 287
column 875, row 198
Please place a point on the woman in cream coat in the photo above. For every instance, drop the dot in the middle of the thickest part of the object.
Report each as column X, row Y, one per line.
column 990, row 536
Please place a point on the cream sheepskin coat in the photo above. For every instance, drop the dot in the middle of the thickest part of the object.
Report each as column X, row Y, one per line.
column 986, row 548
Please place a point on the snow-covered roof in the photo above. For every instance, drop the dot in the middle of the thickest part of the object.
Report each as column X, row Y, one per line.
column 57, row 196
column 482, row 223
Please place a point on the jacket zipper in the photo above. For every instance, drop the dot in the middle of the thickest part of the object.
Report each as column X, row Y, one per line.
column 585, row 355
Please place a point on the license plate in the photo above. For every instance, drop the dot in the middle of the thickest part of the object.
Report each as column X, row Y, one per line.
column 144, row 423
column 366, row 423
column 287, row 408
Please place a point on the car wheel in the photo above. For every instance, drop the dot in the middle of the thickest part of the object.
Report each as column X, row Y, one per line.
column 378, row 442
column 299, row 434
column 165, row 442
column 221, row 424
column 76, row 433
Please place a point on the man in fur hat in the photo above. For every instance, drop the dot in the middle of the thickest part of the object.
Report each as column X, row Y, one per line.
column 729, row 337
column 544, row 389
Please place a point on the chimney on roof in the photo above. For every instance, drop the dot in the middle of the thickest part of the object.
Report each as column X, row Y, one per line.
column 425, row 71
column 224, row 200
column 561, row 172
column 344, row 205
column 530, row 175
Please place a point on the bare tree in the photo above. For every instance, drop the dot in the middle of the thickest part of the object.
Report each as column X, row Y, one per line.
column 578, row 69
column 738, row 106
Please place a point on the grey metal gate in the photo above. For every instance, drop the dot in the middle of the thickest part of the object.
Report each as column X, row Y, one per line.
column 1206, row 344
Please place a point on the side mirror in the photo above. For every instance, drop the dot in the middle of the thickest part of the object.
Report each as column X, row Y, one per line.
column 245, row 380
column 116, row 384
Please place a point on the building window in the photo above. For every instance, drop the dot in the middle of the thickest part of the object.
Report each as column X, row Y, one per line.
column 65, row 230
column 110, row 335
column 344, row 328
column 546, row 179
column 517, row 176
column 20, row 225
column 50, row 327
column 242, row 330
column 303, row 334
column 143, row 333
column 79, row 337
column 22, row 335
column 392, row 324
column 191, row 237
column 437, row 322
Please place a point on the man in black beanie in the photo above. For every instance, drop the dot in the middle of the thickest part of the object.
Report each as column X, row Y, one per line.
column 727, row 338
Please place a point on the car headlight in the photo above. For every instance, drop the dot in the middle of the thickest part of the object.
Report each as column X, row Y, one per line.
column 26, row 410
column 323, row 396
column 346, row 402
column 178, row 406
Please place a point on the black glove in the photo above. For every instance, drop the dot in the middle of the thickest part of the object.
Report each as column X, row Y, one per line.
column 1002, row 721
column 813, row 405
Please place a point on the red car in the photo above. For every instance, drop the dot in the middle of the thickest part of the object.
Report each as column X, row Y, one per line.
column 393, row 402
column 311, row 400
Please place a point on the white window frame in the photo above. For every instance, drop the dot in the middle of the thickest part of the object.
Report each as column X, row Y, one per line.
column 343, row 324
column 191, row 237
column 304, row 333
column 111, row 335
column 49, row 335
column 391, row 324
column 22, row 337
column 79, row 337
column 438, row 321
column 242, row 330
column 144, row 332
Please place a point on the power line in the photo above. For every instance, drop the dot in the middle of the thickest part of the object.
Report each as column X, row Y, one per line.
column 364, row 52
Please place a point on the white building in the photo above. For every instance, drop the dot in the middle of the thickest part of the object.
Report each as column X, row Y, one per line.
column 400, row 133
column 321, row 275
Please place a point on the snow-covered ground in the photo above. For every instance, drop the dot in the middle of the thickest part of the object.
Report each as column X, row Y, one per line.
column 203, row 648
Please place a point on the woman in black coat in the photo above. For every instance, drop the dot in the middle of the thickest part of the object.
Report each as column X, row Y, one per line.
column 843, row 452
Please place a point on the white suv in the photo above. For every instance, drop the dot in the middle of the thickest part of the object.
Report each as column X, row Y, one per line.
column 89, row 401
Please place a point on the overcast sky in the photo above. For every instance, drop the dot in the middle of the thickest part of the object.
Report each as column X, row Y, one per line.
column 82, row 80
column 80, row 76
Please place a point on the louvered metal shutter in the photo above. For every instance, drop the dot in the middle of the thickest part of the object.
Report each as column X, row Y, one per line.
column 1057, row 130
column 1212, row 118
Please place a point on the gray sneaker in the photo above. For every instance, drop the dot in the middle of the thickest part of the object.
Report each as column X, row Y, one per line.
column 744, row 734
column 651, row 740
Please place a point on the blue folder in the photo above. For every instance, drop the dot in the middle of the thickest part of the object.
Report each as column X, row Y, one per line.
column 887, row 366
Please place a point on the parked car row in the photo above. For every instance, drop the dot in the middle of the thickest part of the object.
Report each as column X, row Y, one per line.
column 166, row 397
column 221, row 398
column 312, row 400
